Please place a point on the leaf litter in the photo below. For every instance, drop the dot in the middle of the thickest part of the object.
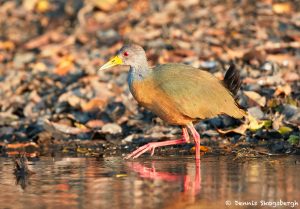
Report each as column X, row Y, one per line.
column 52, row 95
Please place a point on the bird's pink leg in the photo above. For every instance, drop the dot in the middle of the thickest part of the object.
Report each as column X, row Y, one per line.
column 152, row 145
column 196, row 137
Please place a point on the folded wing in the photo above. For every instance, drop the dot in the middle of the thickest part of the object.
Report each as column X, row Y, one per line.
column 196, row 93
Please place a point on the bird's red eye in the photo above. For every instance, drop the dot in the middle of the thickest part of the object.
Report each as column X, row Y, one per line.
column 125, row 54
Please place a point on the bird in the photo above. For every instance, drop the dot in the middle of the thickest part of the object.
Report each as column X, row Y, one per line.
column 177, row 93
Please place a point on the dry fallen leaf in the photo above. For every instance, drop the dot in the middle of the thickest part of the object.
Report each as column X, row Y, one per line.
column 38, row 41
column 29, row 4
column 94, row 104
column 21, row 145
column 42, row 6
column 202, row 148
column 81, row 126
column 277, row 121
column 291, row 76
column 31, row 154
column 251, row 124
column 255, row 97
column 65, row 65
column 285, row 90
column 39, row 35
column 160, row 19
column 94, row 124
column 105, row 5
column 7, row 45
column 57, row 128
column 282, row 8
column 7, row 118
column 235, row 53
column 239, row 130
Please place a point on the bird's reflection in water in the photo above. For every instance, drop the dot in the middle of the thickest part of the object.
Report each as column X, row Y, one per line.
column 22, row 171
column 23, row 181
column 191, row 180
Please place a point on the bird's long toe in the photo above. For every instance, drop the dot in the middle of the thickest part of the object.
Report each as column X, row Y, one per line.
column 138, row 152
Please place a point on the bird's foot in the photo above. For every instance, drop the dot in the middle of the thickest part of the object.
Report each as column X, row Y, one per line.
column 151, row 147
column 141, row 150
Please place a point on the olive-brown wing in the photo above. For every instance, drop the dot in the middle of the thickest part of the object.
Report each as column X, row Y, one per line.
column 194, row 92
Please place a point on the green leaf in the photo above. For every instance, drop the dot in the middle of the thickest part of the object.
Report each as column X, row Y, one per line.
column 284, row 130
column 294, row 140
column 267, row 123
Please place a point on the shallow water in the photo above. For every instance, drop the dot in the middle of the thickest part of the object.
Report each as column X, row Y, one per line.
column 219, row 182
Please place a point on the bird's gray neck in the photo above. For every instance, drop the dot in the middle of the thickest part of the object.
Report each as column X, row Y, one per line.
column 137, row 73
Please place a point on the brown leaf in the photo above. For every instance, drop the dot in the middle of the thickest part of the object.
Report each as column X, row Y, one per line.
column 218, row 50
column 140, row 6
column 184, row 52
column 65, row 65
column 72, row 99
column 46, row 38
column 95, row 124
column 251, row 124
column 254, row 56
column 31, row 154
column 21, row 145
column 38, row 42
column 249, row 80
column 286, row 90
column 159, row 19
column 285, row 59
column 7, row 45
column 255, row 97
column 94, row 104
column 239, row 130
column 235, row 53
column 291, row 76
column 277, row 121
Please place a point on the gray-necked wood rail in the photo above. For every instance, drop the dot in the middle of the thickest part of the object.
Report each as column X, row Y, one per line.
column 179, row 94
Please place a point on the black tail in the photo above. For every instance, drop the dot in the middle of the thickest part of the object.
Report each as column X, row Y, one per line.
column 232, row 79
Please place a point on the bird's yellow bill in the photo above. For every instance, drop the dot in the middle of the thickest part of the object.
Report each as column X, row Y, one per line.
column 112, row 62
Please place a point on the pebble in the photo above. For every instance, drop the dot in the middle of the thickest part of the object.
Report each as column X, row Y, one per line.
column 290, row 110
column 21, row 58
column 256, row 112
column 111, row 128
column 228, row 121
column 128, row 139
column 215, row 122
column 209, row 64
column 267, row 66
column 108, row 37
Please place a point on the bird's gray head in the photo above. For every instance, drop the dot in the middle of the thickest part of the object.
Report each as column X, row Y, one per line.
column 131, row 55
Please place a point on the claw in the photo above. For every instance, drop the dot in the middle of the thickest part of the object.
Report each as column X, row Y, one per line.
column 152, row 151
